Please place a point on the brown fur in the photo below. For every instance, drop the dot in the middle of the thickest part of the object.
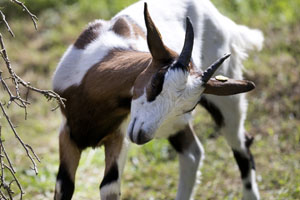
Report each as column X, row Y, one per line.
column 145, row 78
column 95, row 108
column 113, row 146
column 138, row 31
column 69, row 154
column 121, row 27
column 124, row 26
column 88, row 35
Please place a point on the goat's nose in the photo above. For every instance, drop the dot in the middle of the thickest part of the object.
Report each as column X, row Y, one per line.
column 142, row 138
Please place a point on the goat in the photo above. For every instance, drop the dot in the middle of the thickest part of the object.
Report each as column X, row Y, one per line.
column 114, row 70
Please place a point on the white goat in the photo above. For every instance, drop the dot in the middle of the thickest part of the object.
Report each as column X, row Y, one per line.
column 109, row 73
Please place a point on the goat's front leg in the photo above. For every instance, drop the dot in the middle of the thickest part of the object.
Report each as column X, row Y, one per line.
column 232, row 116
column 191, row 154
column 69, row 155
column 115, row 156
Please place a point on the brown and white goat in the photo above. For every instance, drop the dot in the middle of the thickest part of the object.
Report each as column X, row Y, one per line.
column 114, row 70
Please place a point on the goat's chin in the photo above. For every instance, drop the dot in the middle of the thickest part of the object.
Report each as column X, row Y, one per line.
column 141, row 137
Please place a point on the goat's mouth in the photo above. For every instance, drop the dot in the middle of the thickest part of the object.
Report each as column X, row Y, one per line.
column 136, row 133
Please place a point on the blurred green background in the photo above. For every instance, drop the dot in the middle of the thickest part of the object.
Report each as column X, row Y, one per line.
column 151, row 170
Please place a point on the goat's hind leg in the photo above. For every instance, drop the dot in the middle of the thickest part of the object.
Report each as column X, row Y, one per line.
column 232, row 114
column 69, row 155
column 115, row 157
column 191, row 154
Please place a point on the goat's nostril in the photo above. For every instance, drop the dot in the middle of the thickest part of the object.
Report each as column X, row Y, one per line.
column 130, row 133
column 142, row 137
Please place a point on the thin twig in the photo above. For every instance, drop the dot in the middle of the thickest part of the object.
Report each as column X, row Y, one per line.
column 6, row 156
column 25, row 146
column 49, row 94
column 6, row 24
column 33, row 17
column 2, row 196
column 15, row 179
column 4, row 185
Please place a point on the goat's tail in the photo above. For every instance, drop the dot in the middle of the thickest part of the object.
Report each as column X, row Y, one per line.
column 245, row 40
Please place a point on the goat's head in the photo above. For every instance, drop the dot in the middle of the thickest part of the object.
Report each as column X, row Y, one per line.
column 169, row 87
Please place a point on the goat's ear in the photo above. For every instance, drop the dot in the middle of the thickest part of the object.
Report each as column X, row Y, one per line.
column 228, row 87
column 156, row 46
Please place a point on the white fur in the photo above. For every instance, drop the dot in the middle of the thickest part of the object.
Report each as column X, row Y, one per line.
column 58, row 194
column 215, row 34
column 190, row 161
column 252, row 194
column 180, row 93
column 125, row 146
column 109, row 189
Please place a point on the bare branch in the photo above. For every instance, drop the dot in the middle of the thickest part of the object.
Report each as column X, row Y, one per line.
column 6, row 24
column 16, row 96
column 6, row 155
column 17, row 80
column 3, row 196
column 4, row 185
column 15, row 179
column 33, row 17
column 26, row 147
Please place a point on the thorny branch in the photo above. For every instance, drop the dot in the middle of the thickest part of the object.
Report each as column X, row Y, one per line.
column 13, row 91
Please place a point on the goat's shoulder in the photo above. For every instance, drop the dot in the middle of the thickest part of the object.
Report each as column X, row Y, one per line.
column 93, row 45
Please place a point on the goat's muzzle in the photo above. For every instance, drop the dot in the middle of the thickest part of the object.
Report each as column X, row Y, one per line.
column 140, row 136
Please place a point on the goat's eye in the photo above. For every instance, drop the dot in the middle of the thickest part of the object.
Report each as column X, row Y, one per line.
column 156, row 86
column 156, row 81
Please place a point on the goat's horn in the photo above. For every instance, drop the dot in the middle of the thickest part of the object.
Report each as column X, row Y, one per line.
column 211, row 69
column 186, row 53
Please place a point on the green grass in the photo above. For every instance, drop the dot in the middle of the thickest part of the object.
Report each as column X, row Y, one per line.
column 152, row 170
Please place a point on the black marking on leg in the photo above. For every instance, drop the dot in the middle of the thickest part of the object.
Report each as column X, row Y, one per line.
column 249, row 140
column 177, row 142
column 252, row 161
column 248, row 186
column 67, row 185
column 213, row 110
column 243, row 163
column 111, row 176
column 248, row 143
